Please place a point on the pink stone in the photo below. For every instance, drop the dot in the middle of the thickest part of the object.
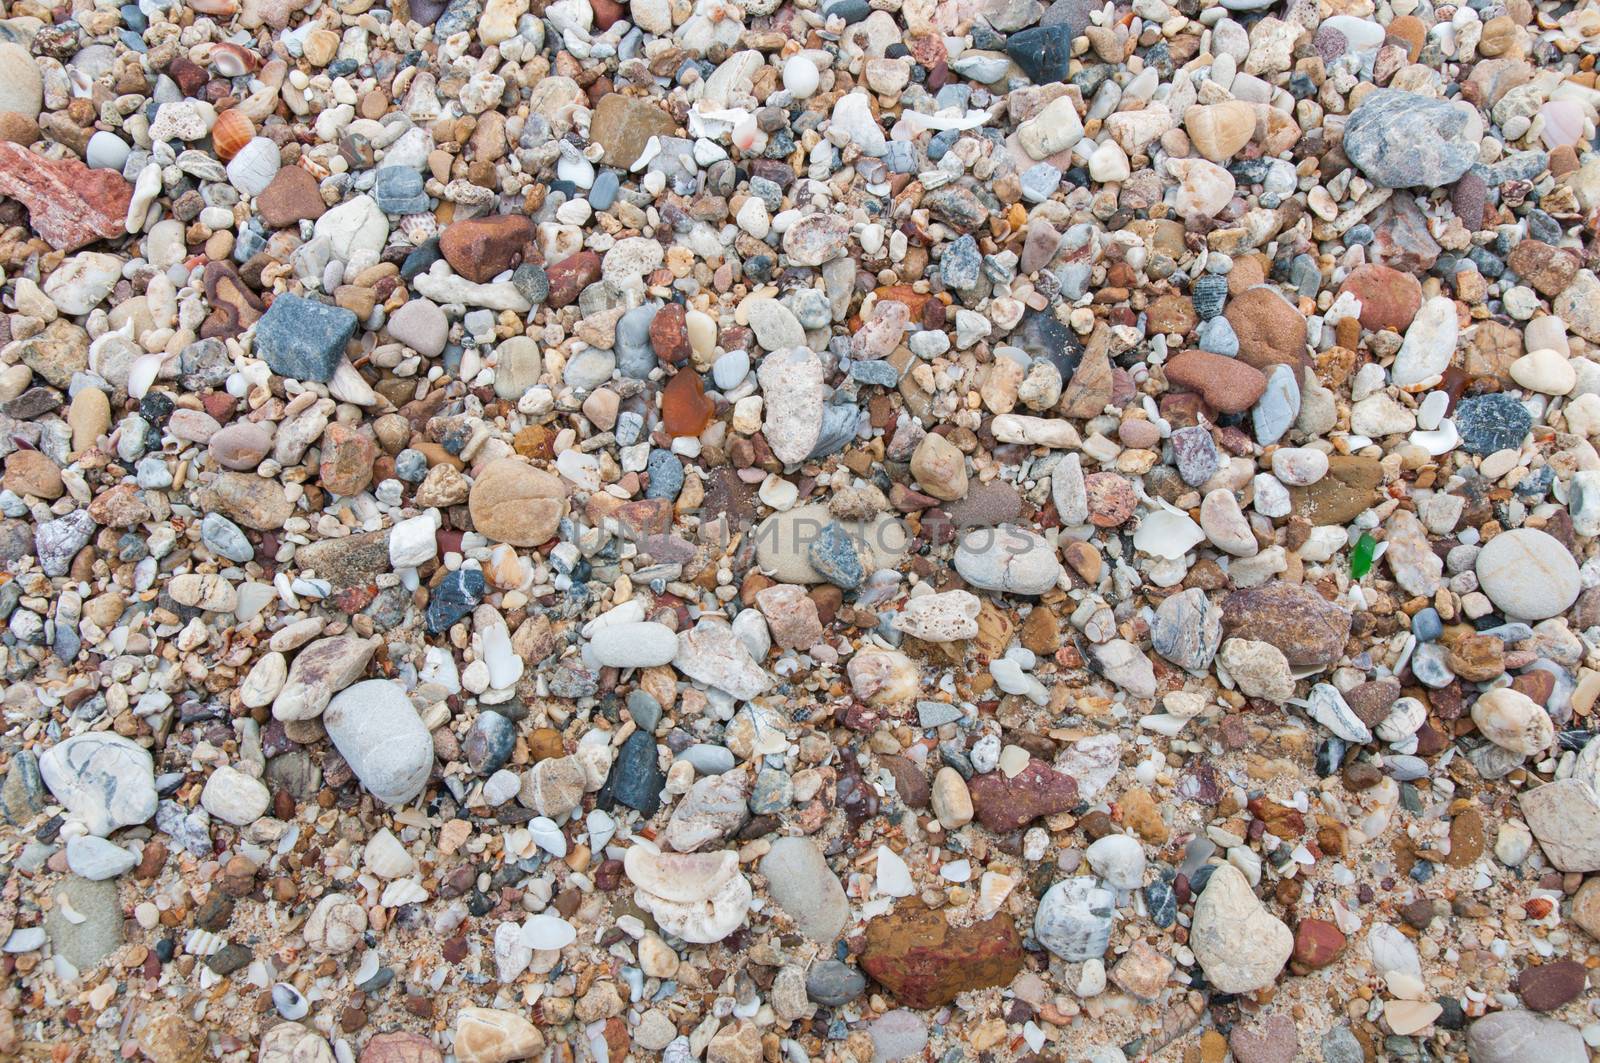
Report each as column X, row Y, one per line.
column 69, row 205
column 1563, row 123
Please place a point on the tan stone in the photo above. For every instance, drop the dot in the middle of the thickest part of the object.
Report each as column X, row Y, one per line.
column 513, row 502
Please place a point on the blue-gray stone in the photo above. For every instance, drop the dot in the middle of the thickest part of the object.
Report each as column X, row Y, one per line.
column 1217, row 337
column 489, row 742
column 709, row 759
column 635, row 779
column 1043, row 52
column 603, row 192
column 1488, row 423
column 833, row 555
column 666, row 475
column 1510, row 634
column 1208, row 293
column 635, row 356
column 931, row 714
column 1339, row 1045
column 960, row 264
column 304, row 339
column 152, row 473
column 455, row 596
column 398, row 190
column 411, row 466
column 1039, row 182
column 1279, row 405
column 1404, row 768
column 421, row 260
column 878, row 372
column 773, row 792
column 1426, row 624
column 1405, row 140
column 645, row 710
column 23, row 795
column 459, row 15
column 57, row 542
column 901, row 157
column 834, row 984
column 838, row 428
column 852, row 11
column 1162, row 903
column 531, row 282
column 1428, row 665
column 628, row 428
column 222, row 536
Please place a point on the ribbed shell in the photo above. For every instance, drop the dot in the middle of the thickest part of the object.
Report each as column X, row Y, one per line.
column 233, row 130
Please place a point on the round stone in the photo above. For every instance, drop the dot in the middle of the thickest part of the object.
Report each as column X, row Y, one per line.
column 1528, row 574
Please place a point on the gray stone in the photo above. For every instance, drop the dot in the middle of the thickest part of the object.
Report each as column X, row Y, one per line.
column 1522, row 1036
column 103, row 779
column 1403, row 140
column 303, row 339
column 833, row 983
column 800, row 882
column 1188, row 630
column 85, row 944
column 380, row 735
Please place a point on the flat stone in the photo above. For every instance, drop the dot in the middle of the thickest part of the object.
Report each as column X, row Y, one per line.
column 925, row 962
column 805, row 888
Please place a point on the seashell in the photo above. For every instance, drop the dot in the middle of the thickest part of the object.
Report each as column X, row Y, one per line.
column 290, row 1002
column 680, row 877
column 1208, row 292
column 232, row 60
column 231, row 133
column 143, row 374
column 1074, row 919
column 386, row 857
column 254, row 167
column 403, row 892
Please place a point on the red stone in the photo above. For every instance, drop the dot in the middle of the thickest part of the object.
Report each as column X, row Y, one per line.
column 481, row 248
column 1003, row 804
column 571, row 276
column 669, row 334
column 926, row 963
column 685, row 410
column 1389, row 298
column 606, row 13
column 69, row 205
column 1551, row 985
column 291, row 197
column 1225, row 383
column 1317, row 943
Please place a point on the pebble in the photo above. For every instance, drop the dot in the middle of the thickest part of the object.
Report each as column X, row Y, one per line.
column 380, row 735
column 1503, row 567
column 436, row 475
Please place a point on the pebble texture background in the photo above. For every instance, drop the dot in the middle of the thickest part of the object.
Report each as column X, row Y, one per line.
column 582, row 530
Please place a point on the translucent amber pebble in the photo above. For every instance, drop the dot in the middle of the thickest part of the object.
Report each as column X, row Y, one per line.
column 685, row 410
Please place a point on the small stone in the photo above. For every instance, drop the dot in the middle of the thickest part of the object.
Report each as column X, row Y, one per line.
column 1516, row 1036
column 380, row 735
column 1403, row 140
column 1239, row 944
column 1007, row 559
column 1528, row 574
column 925, row 962
column 1565, row 816
column 805, row 888
column 103, row 779
column 303, row 339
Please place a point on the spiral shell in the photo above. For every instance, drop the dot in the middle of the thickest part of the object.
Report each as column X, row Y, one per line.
column 232, row 131
column 232, row 60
